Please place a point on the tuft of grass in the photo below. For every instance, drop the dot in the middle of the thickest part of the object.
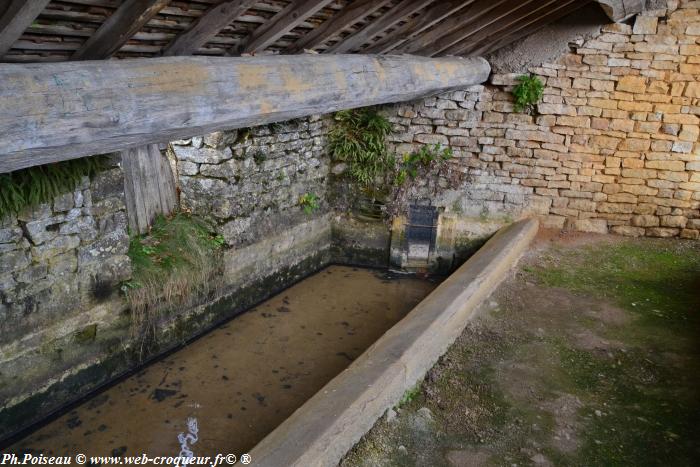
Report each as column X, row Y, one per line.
column 174, row 265
column 410, row 395
column 424, row 157
column 527, row 93
column 309, row 202
column 40, row 184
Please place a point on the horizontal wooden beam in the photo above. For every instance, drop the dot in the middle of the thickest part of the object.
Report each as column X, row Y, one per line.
column 126, row 21
column 59, row 111
column 620, row 10
column 17, row 17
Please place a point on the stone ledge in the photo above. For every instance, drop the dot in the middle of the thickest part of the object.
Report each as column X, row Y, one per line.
column 321, row 431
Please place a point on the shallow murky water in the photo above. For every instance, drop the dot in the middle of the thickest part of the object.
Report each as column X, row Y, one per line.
column 243, row 379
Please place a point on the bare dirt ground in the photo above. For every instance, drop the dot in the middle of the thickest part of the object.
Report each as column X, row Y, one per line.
column 589, row 355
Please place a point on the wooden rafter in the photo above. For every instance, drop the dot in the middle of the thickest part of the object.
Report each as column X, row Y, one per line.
column 496, row 20
column 342, row 20
column 207, row 26
column 402, row 10
column 283, row 22
column 126, row 21
column 472, row 13
column 417, row 25
column 18, row 16
column 529, row 27
column 32, row 31
column 59, row 111
column 512, row 24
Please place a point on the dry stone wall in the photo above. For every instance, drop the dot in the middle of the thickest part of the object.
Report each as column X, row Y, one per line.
column 60, row 266
column 613, row 147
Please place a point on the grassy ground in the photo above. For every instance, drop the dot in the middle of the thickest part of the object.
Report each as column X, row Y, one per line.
column 589, row 356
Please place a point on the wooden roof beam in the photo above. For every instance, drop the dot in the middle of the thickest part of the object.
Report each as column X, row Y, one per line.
column 397, row 13
column 207, row 26
column 473, row 12
column 345, row 18
column 417, row 25
column 512, row 24
column 530, row 27
column 126, row 21
column 141, row 101
column 495, row 25
column 18, row 16
column 280, row 24
column 510, row 10
column 620, row 10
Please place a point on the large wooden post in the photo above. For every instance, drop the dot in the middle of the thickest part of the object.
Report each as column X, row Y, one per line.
column 57, row 111
column 149, row 186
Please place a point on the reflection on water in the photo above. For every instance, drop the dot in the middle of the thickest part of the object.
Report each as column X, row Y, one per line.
column 243, row 379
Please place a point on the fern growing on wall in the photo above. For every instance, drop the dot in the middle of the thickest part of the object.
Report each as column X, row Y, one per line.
column 528, row 93
column 359, row 139
column 36, row 185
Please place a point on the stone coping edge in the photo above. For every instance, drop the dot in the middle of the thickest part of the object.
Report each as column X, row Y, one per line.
column 328, row 425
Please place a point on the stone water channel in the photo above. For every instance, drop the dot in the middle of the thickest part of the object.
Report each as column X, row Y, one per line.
column 242, row 379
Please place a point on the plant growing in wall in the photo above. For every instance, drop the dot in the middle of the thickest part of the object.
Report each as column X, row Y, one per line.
column 36, row 185
column 424, row 157
column 528, row 93
column 420, row 174
column 309, row 202
column 175, row 264
column 359, row 139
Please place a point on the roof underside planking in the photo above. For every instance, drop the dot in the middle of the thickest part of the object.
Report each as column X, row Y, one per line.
column 62, row 30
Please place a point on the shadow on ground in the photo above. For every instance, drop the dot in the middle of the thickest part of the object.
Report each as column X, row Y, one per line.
column 588, row 356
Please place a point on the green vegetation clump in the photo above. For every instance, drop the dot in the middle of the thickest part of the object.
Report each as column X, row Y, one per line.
column 359, row 139
column 528, row 93
column 173, row 265
column 424, row 157
column 36, row 185
column 309, row 202
column 410, row 395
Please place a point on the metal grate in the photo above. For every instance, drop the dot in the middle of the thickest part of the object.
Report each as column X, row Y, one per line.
column 421, row 231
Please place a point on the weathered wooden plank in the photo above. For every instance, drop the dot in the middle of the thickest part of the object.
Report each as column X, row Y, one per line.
column 126, row 21
column 620, row 10
column 148, row 186
column 402, row 10
column 207, row 26
column 543, row 14
column 456, row 22
column 417, row 25
column 507, row 13
column 18, row 16
column 527, row 28
column 343, row 19
column 59, row 111
column 283, row 22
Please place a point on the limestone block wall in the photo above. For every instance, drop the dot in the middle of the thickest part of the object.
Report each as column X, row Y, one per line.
column 60, row 265
column 613, row 146
column 249, row 183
